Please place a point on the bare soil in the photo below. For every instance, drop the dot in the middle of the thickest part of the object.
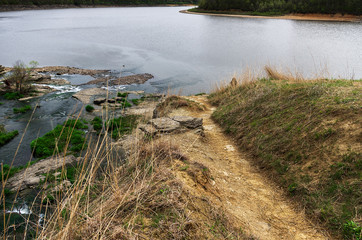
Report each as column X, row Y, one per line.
column 295, row 16
column 229, row 181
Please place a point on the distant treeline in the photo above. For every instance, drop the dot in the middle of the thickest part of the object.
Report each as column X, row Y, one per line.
column 286, row 6
column 93, row 2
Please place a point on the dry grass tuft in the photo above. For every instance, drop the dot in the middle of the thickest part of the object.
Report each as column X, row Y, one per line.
column 175, row 102
column 275, row 74
column 140, row 199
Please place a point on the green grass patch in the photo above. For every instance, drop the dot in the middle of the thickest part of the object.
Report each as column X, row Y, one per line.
column 97, row 124
column 89, row 108
column 137, row 101
column 123, row 95
column 294, row 131
column 13, row 95
column 8, row 171
column 66, row 137
column 122, row 125
column 23, row 109
column 6, row 137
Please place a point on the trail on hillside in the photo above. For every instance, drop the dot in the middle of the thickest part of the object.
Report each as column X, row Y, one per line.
column 259, row 208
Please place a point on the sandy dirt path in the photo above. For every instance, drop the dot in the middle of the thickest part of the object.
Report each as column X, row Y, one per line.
column 259, row 208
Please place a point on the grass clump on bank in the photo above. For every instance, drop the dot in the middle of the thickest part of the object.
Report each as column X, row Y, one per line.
column 175, row 102
column 23, row 109
column 306, row 135
column 6, row 137
column 121, row 125
column 97, row 124
column 13, row 95
column 66, row 137
column 89, row 108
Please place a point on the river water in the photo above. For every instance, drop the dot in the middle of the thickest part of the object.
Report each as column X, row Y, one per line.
column 182, row 51
column 187, row 53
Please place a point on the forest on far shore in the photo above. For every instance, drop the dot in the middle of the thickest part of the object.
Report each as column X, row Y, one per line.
column 94, row 2
column 286, row 6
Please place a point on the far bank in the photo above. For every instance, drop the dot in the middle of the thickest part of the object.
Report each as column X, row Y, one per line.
column 8, row 8
column 294, row 16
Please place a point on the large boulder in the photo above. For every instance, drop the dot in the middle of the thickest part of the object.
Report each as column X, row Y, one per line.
column 189, row 122
column 31, row 176
column 165, row 124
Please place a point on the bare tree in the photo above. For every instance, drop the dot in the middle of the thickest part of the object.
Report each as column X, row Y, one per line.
column 20, row 76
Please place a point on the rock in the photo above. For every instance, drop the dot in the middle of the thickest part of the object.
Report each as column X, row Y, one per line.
column 189, row 122
column 86, row 95
column 155, row 113
column 31, row 176
column 119, row 99
column 59, row 70
column 112, row 100
column 62, row 187
column 55, row 81
column 126, row 80
column 145, row 109
column 165, row 124
column 148, row 129
column 233, row 82
column 99, row 101
column 200, row 132
column 36, row 77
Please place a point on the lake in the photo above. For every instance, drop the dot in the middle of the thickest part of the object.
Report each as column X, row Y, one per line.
column 184, row 52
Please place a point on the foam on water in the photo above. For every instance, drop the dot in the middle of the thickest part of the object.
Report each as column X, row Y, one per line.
column 62, row 89
column 23, row 209
column 114, row 88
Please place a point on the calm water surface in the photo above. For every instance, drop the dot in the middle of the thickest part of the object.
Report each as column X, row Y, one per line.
column 182, row 51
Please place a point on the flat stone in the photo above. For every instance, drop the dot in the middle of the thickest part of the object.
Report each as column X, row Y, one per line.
column 54, row 81
column 189, row 122
column 148, row 129
column 35, row 77
column 86, row 95
column 165, row 124
column 99, row 101
column 31, row 176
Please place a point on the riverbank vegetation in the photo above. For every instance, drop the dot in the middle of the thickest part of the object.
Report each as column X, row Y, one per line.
column 40, row 3
column 68, row 136
column 23, row 109
column 5, row 136
column 120, row 126
column 306, row 136
column 278, row 7
column 18, row 81
column 105, row 196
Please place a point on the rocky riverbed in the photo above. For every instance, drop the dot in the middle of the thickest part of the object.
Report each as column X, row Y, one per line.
column 58, row 92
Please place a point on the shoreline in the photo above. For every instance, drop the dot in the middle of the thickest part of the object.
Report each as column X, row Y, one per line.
column 12, row 8
column 296, row 16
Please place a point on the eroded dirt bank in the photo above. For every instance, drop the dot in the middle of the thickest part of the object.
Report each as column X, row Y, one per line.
column 295, row 16
column 230, row 182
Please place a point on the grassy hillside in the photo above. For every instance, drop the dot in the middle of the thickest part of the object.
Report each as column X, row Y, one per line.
column 306, row 135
